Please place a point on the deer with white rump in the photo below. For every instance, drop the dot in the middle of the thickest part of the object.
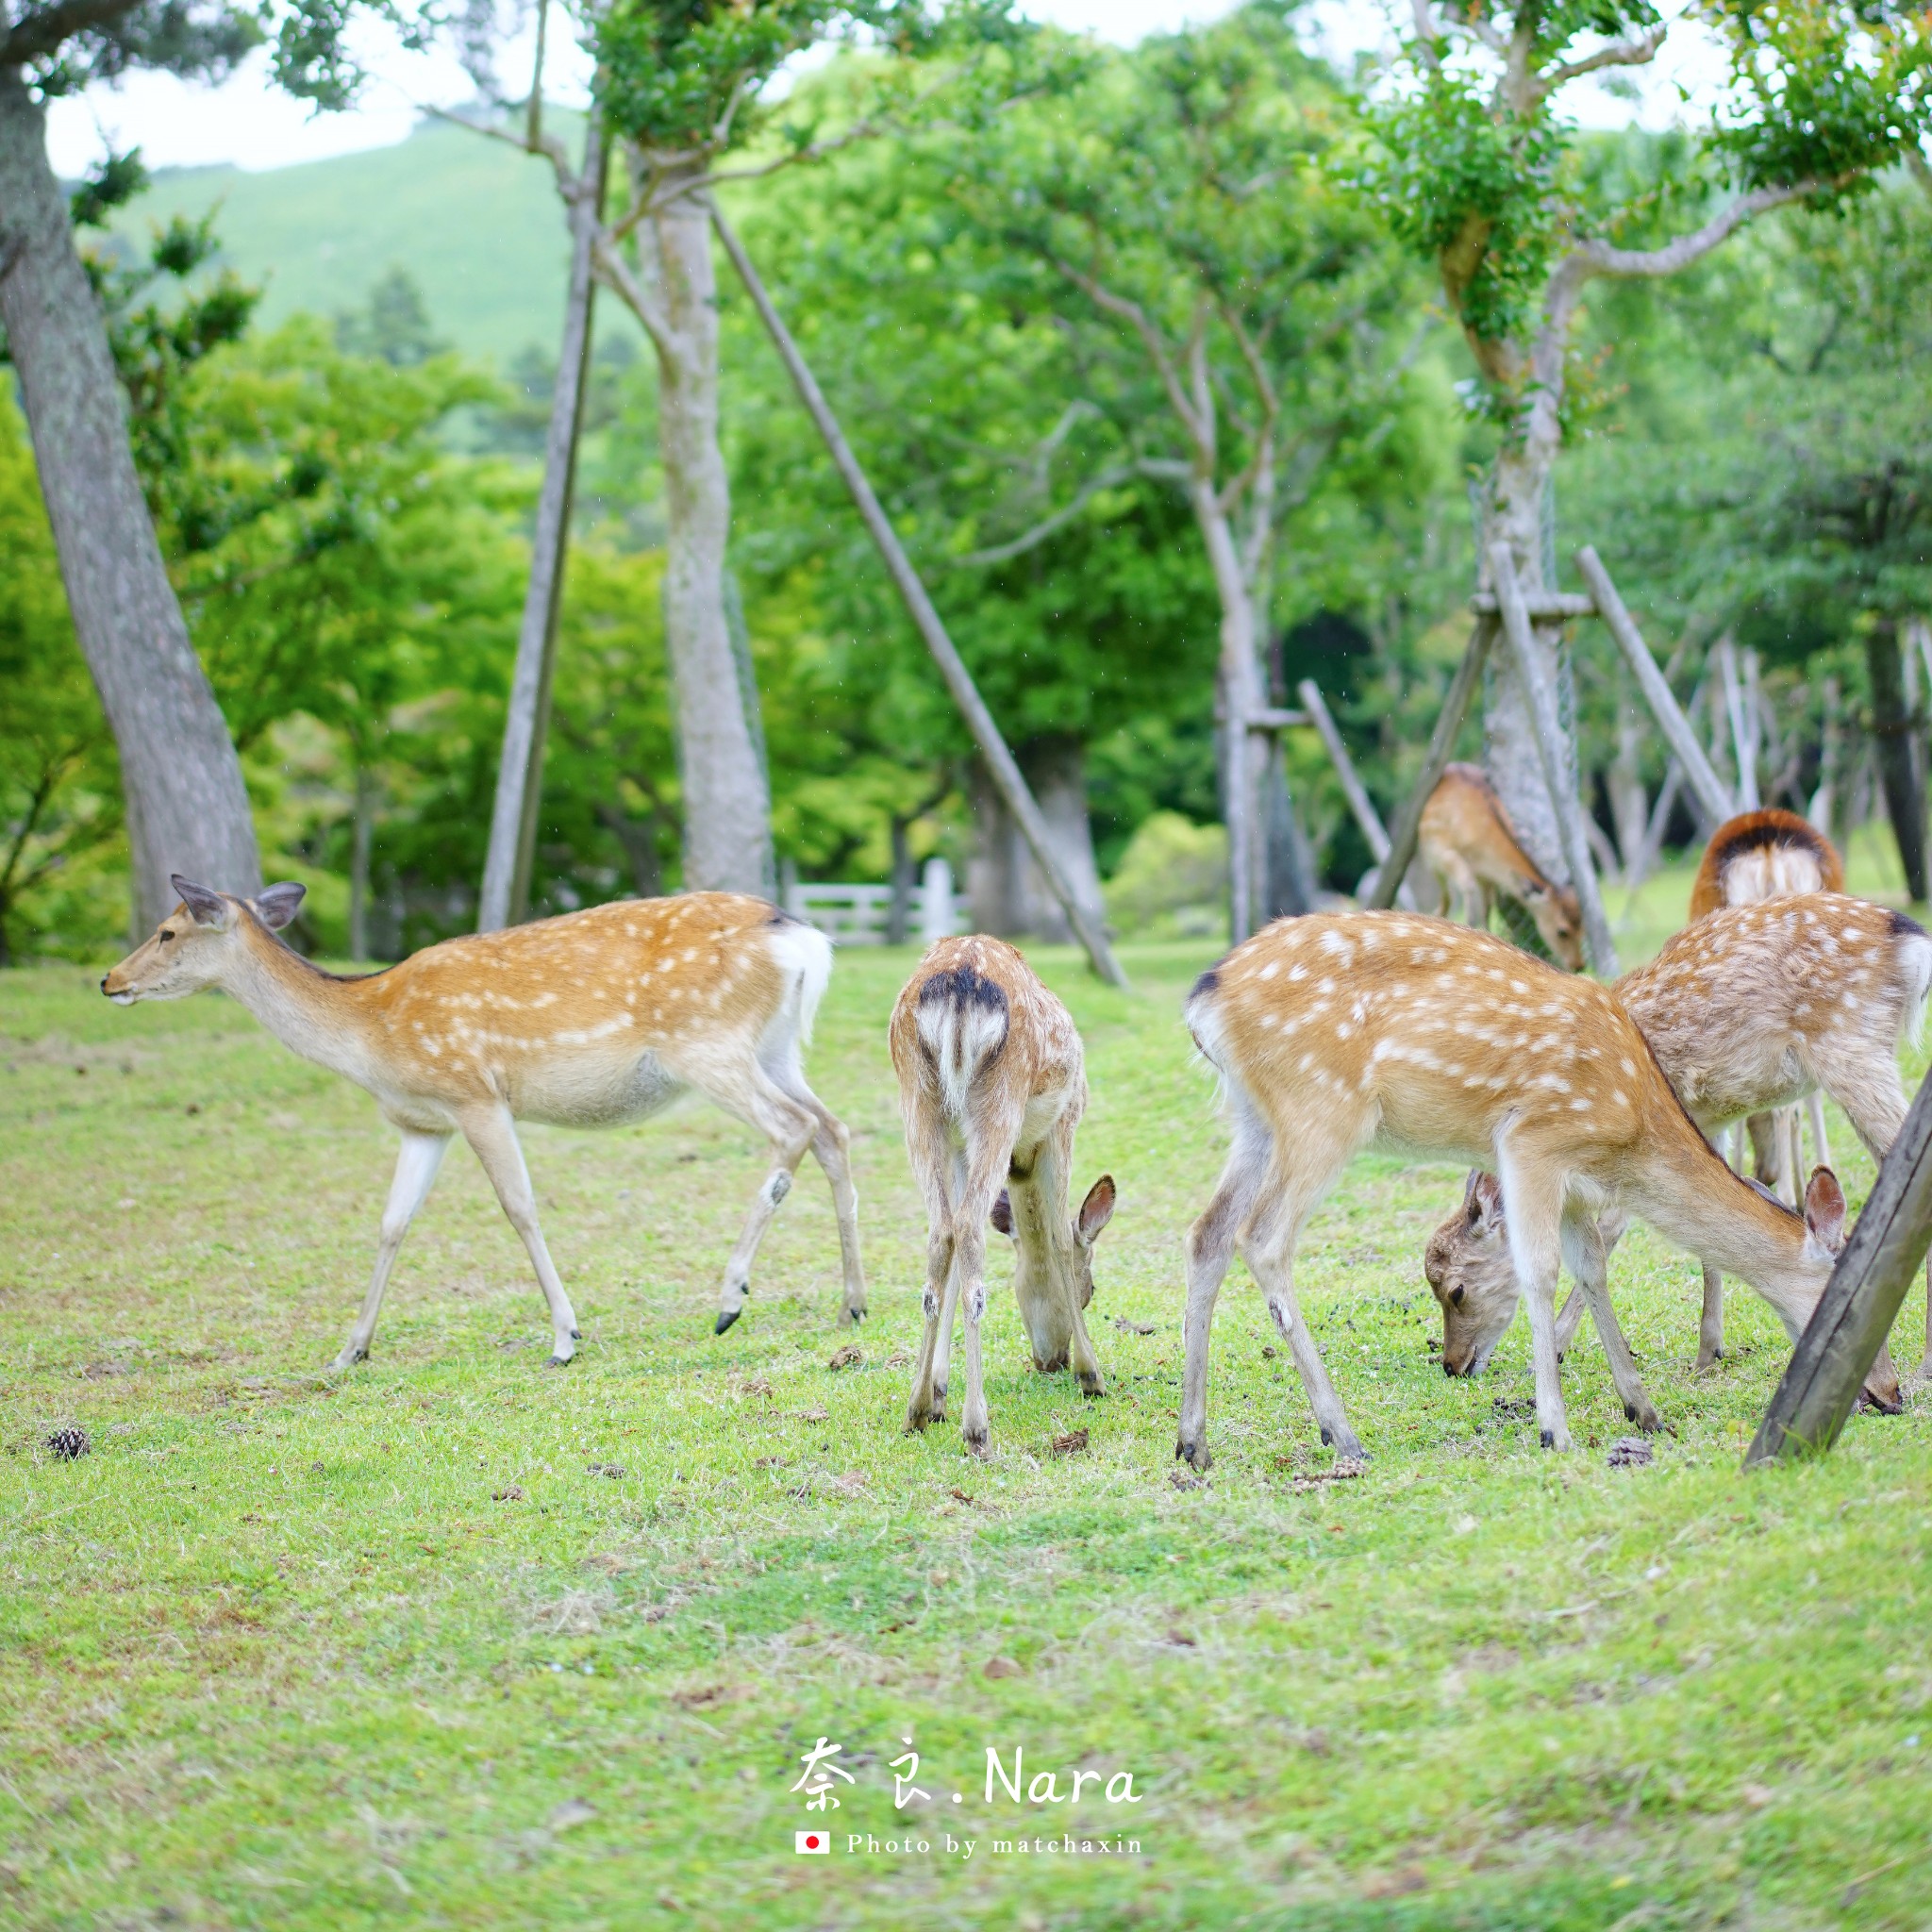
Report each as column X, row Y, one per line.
column 992, row 1084
column 1333, row 1031
column 591, row 1019
column 1749, row 1009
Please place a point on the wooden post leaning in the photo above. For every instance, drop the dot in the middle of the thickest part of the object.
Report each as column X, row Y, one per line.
column 1599, row 948
column 1854, row 1315
column 1005, row 772
column 1408, row 821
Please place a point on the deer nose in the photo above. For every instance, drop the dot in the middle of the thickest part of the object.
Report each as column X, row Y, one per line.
column 104, row 982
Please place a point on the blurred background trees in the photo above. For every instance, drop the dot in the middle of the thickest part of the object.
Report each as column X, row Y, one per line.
column 343, row 504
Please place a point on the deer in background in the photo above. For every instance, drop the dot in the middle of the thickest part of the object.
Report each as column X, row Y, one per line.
column 1755, row 856
column 593, row 1019
column 1747, row 1010
column 1467, row 842
column 1334, row 1031
column 992, row 1084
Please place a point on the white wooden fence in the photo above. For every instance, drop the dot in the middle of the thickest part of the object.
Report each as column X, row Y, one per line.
column 859, row 915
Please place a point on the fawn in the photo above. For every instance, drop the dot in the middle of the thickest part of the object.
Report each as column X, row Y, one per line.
column 1466, row 840
column 591, row 1019
column 1331, row 1031
column 1746, row 1009
column 992, row 1084
column 1755, row 856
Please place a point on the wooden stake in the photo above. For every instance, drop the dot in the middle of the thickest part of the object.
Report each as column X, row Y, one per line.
column 1005, row 774
column 1599, row 948
column 1853, row 1318
column 1711, row 795
column 1408, row 821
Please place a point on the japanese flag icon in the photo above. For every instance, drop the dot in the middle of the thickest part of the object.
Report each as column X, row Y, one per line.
column 812, row 1841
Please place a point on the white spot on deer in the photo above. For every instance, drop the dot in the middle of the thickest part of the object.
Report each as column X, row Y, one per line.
column 1269, row 971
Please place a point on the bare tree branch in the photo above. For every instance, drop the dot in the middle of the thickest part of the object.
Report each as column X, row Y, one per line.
column 619, row 277
column 1136, row 316
column 1600, row 258
column 546, row 145
column 1639, row 52
column 1031, row 539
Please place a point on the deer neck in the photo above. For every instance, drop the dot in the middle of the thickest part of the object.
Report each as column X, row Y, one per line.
column 1043, row 1235
column 311, row 1012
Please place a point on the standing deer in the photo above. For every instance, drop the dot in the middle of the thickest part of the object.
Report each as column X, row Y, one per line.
column 1749, row 1009
column 992, row 1084
column 1332, row 1031
column 1466, row 840
column 1755, row 856
column 593, row 1019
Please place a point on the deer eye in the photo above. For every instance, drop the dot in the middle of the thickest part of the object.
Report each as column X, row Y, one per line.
column 1456, row 1294
column 166, row 936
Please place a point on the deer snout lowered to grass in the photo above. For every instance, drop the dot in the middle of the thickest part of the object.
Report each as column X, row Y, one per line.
column 1335, row 1031
column 1466, row 840
column 1749, row 1009
column 591, row 1019
column 992, row 1084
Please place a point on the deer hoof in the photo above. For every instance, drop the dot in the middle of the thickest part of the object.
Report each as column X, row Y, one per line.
column 726, row 1318
column 851, row 1318
column 347, row 1360
column 1193, row 1454
column 1549, row 1439
column 1092, row 1388
column 975, row 1442
column 560, row 1361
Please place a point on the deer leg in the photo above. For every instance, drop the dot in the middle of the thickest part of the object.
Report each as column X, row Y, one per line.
column 1268, row 1248
column 416, row 1166
column 1532, row 1204
column 928, row 1403
column 493, row 1135
column 790, row 1129
column 1569, row 1319
column 831, row 1147
column 1583, row 1254
column 1820, row 1148
column 1710, row 1320
column 1208, row 1248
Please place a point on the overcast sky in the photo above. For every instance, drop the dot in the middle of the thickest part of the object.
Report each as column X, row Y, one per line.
column 251, row 123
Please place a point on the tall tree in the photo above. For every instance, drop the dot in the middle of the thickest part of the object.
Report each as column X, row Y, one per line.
column 1480, row 170
column 186, row 805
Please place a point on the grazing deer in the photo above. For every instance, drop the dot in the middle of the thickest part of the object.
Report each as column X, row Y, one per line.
column 591, row 1019
column 1755, row 856
column 1746, row 1009
column 1332, row 1031
column 1466, row 840
column 992, row 1084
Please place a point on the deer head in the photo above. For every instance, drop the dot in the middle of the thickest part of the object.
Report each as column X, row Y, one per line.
column 1558, row 915
column 1097, row 1210
column 197, row 944
column 1469, row 1270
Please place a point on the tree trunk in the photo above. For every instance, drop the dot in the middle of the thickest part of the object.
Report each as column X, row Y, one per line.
column 362, row 838
column 1892, row 727
column 1517, row 490
column 1238, row 688
column 1629, row 807
column 1291, row 863
column 728, row 837
column 505, row 897
column 1009, row 894
column 186, row 805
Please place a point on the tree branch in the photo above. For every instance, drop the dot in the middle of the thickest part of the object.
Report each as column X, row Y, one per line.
column 546, row 145
column 1620, row 54
column 1031, row 539
column 1600, row 258
column 1135, row 316
column 616, row 275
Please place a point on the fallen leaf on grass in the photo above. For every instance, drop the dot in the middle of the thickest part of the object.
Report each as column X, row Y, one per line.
column 961, row 1497
column 1397, row 1884
column 1000, row 1666
column 847, row 1358
column 1756, row 1796
column 510, row 1492
column 615, row 1470
column 755, row 1385
column 1184, row 1638
column 1127, row 1327
column 1073, row 1443
column 898, row 1359
column 1630, row 1451
column 817, row 1414
column 1186, row 1482
column 851, row 1482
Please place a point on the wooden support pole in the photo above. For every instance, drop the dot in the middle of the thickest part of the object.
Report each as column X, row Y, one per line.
column 1544, row 607
column 1708, row 789
column 1408, row 821
column 1007, row 775
column 1599, row 947
column 1359, row 803
column 1860, row 1301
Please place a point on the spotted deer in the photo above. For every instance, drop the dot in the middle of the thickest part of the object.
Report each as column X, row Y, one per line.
column 1755, row 856
column 1749, row 1009
column 1467, row 842
column 591, row 1019
column 1333, row 1031
column 992, row 1084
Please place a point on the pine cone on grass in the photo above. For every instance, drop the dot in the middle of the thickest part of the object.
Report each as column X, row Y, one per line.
column 69, row 1444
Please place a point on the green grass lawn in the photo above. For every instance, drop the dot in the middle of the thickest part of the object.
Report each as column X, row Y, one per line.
column 289, row 1651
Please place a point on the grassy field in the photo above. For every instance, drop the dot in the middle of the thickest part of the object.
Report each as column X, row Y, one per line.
column 459, row 1640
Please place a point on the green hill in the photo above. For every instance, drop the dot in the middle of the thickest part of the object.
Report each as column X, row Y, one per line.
column 476, row 223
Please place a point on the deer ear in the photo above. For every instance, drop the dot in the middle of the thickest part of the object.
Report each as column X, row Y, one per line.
column 1824, row 1208
column 1003, row 1213
column 1483, row 1197
column 1097, row 1210
column 276, row 905
column 205, row 907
